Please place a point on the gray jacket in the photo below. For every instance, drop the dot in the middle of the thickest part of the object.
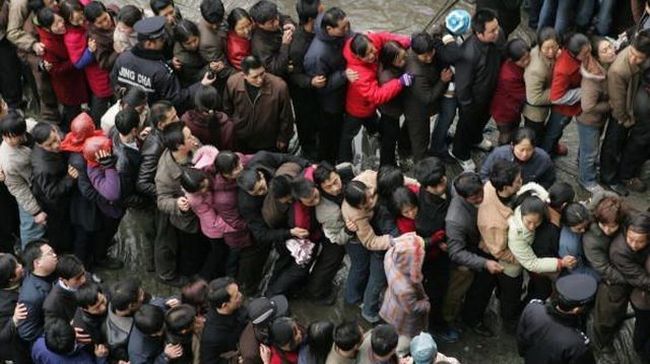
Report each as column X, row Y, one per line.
column 17, row 167
column 463, row 236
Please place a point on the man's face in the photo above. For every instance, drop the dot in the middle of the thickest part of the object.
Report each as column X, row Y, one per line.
column 53, row 143
column 99, row 308
column 342, row 28
column 608, row 229
column 13, row 140
column 47, row 262
column 236, row 297
column 512, row 189
column 333, row 185
column 312, row 200
column 255, row 77
column 155, row 44
column 192, row 43
column 170, row 117
column 76, row 282
column 491, row 32
column 189, row 141
column 260, row 188
column 439, row 189
column 169, row 13
column 635, row 57
column 270, row 25
column 235, row 172
column 475, row 199
column 636, row 241
column 104, row 22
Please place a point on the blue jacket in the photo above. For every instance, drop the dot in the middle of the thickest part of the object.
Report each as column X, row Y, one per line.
column 33, row 293
column 145, row 349
column 325, row 57
column 42, row 355
column 539, row 168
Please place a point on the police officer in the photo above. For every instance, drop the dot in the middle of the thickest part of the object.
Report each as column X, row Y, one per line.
column 145, row 66
column 550, row 333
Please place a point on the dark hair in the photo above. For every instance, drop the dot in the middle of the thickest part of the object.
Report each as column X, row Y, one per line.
column 482, row 17
column 69, row 266
column 235, row 16
column 320, row 336
column 468, row 184
column 192, row 178
column 332, row 17
column 307, row 9
column 129, row 15
column 595, row 41
column 389, row 53
column 301, row 187
column 640, row 223
column 68, row 7
column 158, row 5
column 195, row 293
column 149, row 319
column 547, row 33
column 322, row 172
column 86, row 295
column 422, row 43
column 45, row 17
column 522, row 134
column 179, row 318
column 575, row 214
column 159, row 112
column 172, row 136
column 264, row 11
column 42, row 131
column 32, row 251
column 355, row 193
column 226, row 162
column 250, row 63
column 206, row 98
column 280, row 186
column 576, row 42
column 560, row 193
column 609, row 210
column 218, row 291
column 383, row 339
column 516, row 49
column 533, row 205
column 59, row 336
column 133, row 97
column 641, row 42
column 184, row 30
column 8, row 264
column 13, row 125
column 347, row 335
column 403, row 197
column 126, row 120
column 388, row 179
column 35, row 5
column 430, row 171
column 503, row 174
column 94, row 10
column 247, row 179
column 359, row 44
column 124, row 293
column 212, row 11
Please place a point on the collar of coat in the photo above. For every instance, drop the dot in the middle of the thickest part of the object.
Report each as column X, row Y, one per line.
column 264, row 89
column 149, row 54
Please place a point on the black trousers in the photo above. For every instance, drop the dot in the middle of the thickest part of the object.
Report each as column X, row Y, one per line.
column 68, row 114
column 478, row 296
column 436, row 281
column 327, row 265
column 92, row 246
column 251, row 267
column 305, row 107
column 641, row 338
column 419, row 136
column 636, row 151
column 540, row 287
column 538, row 128
column 9, row 221
column 215, row 263
column 329, row 135
column 11, row 87
column 98, row 107
column 389, row 133
column 351, row 127
column 610, row 152
column 287, row 276
column 471, row 122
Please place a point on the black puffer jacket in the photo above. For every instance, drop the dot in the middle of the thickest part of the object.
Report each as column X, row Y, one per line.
column 151, row 150
column 128, row 165
column 477, row 71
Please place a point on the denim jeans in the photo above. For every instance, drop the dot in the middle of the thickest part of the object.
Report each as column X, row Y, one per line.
column 562, row 14
column 366, row 278
column 29, row 230
column 604, row 17
column 554, row 129
column 534, row 9
column 446, row 116
column 589, row 137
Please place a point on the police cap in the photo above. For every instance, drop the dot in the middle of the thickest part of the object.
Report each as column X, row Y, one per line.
column 150, row 28
column 576, row 289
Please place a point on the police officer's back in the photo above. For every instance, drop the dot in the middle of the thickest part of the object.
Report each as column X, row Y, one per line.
column 550, row 333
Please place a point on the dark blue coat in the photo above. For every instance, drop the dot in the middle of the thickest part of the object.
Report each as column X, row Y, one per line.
column 539, row 168
column 33, row 293
column 42, row 355
column 144, row 349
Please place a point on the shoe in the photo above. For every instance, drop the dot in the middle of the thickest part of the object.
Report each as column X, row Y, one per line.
column 371, row 319
column 482, row 330
column 467, row 166
column 447, row 335
column 485, row 145
column 110, row 264
column 594, row 189
column 635, row 184
column 619, row 188
column 178, row 281
column 561, row 149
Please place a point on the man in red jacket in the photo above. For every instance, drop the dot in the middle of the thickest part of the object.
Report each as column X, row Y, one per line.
column 565, row 92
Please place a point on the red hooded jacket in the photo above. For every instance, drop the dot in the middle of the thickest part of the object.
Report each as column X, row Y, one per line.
column 566, row 76
column 76, row 41
column 365, row 95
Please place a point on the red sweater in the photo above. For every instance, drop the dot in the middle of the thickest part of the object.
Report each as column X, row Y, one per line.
column 237, row 48
column 76, row 41
column 365, row 95
column 510, row 94
column 566, row 76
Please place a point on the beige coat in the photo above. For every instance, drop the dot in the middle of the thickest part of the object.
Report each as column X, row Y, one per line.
column 594, row 99
column 17, row 167
column 16, row 34
column 622, row 83
column 537, row 77
column 493, row 225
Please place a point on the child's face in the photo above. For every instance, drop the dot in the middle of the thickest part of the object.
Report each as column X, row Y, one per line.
column 409, row 211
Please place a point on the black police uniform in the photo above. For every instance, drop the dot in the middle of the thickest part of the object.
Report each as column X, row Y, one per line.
column 149, row 70
column 548, row 336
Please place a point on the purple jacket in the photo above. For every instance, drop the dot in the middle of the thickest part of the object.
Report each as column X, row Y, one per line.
column 42, row 355
column 107, row 183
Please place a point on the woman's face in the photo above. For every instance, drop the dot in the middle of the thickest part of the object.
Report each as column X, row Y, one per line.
column 532, row 221
column 580, row 228
column 609, row 229
column 524, row 61
column 524, row 150
column 191, row 44
column 409, row 211
column 77, row 18
column 606, row 52
column 244, row 28
column 58, row 26
column 549, row 49
column 400, row 59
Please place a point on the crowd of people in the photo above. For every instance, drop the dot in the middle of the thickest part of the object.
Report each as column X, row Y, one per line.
column 191, row 124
